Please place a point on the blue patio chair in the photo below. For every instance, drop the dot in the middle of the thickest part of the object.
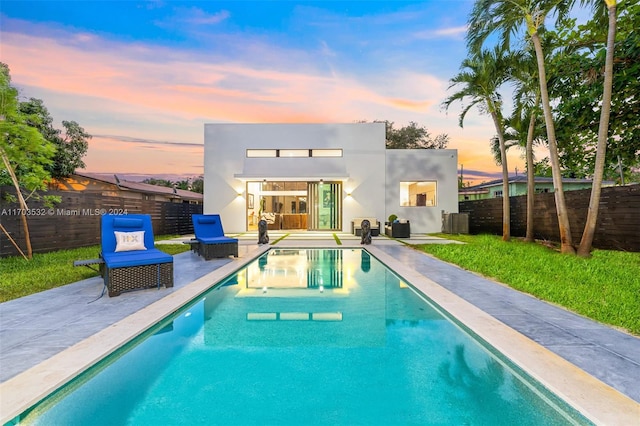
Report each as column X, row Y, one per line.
column 210, row 241
column 131, row 260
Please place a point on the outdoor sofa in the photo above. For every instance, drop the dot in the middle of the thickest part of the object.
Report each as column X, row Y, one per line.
column 130, row 260
column 209, row 241
column 398, row 229
column 356, row 226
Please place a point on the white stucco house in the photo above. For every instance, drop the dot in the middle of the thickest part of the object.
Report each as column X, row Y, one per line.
column 322, row 176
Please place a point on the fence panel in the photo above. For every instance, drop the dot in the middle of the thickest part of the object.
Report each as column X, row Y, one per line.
column 75, row 222
column 618, row 226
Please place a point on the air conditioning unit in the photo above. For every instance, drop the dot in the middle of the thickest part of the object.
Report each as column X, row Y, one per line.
column 455, row 223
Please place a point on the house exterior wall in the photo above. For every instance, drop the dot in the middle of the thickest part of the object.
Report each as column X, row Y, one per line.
column 472, row 196
column 439, row 165
column 227, row 168
column 576, row 186
column 516, row 189
column 369, row 173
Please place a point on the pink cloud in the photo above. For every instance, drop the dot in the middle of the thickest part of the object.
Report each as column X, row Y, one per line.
column 185, row 87
column 411, row 105
column 155, row 92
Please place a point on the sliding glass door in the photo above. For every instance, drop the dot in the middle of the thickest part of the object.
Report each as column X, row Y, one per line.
column 283, row 204
column 325, row 206
column 291, row 205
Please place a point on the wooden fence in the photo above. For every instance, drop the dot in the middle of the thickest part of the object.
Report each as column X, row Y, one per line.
column 618, row 226
column 75, row 222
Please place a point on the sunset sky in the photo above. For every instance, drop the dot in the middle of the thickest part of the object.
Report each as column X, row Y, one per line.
column 144, row 77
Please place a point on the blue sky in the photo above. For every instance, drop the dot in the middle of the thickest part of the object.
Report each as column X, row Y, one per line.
column 143, row 77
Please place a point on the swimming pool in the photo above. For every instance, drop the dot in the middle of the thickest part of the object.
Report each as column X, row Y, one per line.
column 306, row 337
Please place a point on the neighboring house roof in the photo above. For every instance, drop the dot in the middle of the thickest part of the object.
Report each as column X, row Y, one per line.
column 144, row 187
column 523, row 179
column 468, row 191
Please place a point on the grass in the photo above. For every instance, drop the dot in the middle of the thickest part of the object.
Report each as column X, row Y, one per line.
column 280, row 239
column 22, row 277
column 605, row 287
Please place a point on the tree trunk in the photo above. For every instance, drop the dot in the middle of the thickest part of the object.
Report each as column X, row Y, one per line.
column 531, row 185
column 23, row 203
column 506, row 208
column 566, row 243
column 584, row 250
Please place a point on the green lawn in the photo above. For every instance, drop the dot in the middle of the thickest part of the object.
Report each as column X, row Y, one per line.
column 605, row 287
column 22, row 277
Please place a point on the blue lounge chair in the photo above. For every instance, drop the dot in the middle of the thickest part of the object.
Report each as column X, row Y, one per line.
column 131, row 260
column 209, row 239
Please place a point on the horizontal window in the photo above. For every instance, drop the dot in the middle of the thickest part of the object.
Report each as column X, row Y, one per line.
column 326, row 153
column 262, row 153
column 273, row 153
column 293, row 153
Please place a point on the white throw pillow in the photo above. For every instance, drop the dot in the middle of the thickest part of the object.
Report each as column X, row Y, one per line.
column 129, row 241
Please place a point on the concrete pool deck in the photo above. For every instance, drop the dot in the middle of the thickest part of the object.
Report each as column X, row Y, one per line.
column 46, row 338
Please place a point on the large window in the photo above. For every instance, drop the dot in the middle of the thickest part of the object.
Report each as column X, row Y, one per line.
column 418, row 194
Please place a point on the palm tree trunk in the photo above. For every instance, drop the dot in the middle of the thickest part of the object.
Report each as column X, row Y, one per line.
column 506, row 208
column 566, row 243
column 584, row 250
column 531, row 186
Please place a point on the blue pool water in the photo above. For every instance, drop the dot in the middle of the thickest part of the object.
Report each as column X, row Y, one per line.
column 306, row 337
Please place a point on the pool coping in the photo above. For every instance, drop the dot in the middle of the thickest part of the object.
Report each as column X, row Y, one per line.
column 597, row 401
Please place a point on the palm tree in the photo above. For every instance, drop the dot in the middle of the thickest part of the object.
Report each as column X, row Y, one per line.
column 523, row 130
column 506, row 17
column 524, row 120
column 584, row 249
column 480, row 77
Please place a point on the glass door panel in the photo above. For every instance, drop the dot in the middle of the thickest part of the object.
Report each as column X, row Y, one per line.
column 325, row 206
